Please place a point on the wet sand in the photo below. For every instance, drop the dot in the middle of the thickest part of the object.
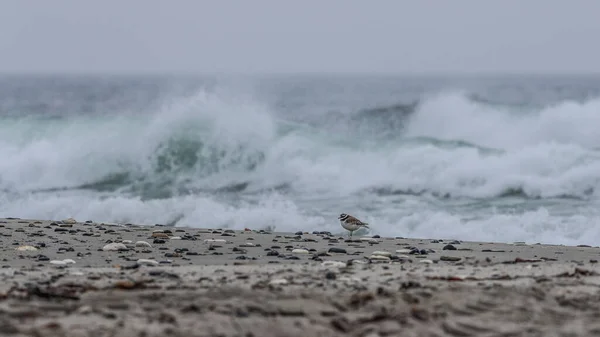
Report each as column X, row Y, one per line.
column 90, row 279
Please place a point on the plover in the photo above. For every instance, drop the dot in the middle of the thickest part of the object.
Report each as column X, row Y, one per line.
column 351, row 223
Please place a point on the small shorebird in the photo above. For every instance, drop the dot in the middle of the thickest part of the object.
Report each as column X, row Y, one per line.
column 351, row 223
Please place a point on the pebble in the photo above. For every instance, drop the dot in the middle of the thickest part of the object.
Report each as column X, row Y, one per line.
column 381, row 253
column 299, row 251
column 379, row 258
column 62, row 262
column 160, row 235
column 369, row 240
column 279, row 281
column 332, row 263
column 450, row 258
column 215, row 240
column 58, row 262
column 114, row 247
column 143, row 244
column 26, row 248
column 403, row 251
column 69, row 221
column 148, row 262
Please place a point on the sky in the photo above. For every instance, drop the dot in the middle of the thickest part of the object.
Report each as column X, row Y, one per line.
column 308, row 36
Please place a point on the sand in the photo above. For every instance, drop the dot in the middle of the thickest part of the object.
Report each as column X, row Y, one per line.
column 56, row 280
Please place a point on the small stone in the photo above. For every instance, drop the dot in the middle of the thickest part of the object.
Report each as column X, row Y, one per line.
column 449, row 247
column 115, row 247
column 382, row 253
column 332, row 263
column 175, row 237
column 379, row 258
column 160, row 235
column 143, row 244
column 369, row 240
column 337, row 250
column 58, row 262
column 299, row 251
column 278, row 282
column 450, row 258
column 215, row 240
column 147, row 262
column 26, row 248
column 69, row 221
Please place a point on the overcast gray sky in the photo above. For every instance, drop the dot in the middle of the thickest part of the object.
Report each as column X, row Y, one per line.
column 300, row 36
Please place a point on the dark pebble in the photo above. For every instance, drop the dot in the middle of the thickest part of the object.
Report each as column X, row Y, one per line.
column 449, row 247
column 337, row 250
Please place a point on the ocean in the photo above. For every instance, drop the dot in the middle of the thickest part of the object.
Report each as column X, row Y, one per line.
column 505, row 158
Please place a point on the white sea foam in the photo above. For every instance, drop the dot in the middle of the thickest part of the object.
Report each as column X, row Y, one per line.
column 176, row 157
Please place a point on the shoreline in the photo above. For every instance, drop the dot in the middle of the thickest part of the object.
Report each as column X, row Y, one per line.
column 81, row 279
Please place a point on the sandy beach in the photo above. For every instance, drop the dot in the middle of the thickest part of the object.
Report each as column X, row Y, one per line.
column 69, row 278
